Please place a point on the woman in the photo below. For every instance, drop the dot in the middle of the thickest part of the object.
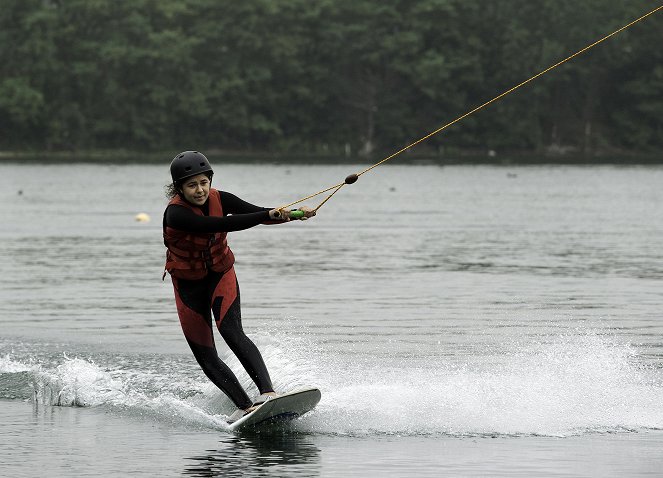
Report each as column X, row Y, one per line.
column 200, row 263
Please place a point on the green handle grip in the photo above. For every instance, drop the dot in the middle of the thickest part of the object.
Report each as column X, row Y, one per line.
column 296, row 214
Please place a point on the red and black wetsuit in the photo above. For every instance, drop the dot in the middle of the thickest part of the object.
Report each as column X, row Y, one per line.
column 216, row 291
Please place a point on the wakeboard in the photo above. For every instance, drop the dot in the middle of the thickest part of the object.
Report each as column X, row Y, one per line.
column 281, row 408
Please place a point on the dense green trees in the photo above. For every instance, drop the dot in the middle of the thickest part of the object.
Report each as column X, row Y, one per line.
column 325, row 76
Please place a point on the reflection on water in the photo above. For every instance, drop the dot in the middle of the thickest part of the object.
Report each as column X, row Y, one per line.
column 276, row 453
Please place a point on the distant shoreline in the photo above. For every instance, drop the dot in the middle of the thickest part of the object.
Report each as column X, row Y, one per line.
column 455, row 158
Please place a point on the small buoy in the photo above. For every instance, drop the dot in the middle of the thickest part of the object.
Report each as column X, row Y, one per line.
column 351, row 179
column 142, row 217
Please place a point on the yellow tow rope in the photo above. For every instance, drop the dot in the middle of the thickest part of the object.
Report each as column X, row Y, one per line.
column 353, row 177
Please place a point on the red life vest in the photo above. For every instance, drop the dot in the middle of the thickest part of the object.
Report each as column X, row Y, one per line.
column 190, row 256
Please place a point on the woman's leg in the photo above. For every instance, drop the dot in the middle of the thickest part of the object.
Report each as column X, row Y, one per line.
column 227, row 312
column 193, row 300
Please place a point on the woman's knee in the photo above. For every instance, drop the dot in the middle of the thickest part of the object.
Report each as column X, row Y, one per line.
column 231, row 331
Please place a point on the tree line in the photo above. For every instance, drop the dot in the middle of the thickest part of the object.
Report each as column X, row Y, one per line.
column 328, row 77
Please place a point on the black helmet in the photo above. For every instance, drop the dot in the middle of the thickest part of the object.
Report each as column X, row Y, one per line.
column 189, row 163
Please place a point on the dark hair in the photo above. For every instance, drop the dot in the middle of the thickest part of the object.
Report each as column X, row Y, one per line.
column 171, row 190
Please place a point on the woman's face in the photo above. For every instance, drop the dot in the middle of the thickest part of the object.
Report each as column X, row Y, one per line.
column 196, row 189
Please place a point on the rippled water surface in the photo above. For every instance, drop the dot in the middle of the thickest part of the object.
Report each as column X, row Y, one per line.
column 460, row 320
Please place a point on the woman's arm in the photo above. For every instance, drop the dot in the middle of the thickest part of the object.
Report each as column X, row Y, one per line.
column 183, row 219
column 234, row 205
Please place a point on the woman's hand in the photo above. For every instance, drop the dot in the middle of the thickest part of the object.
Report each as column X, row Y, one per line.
column 308, row 212
column 287, row 214
column 279, row 214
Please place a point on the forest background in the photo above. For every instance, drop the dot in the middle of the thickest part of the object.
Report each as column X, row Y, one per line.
column 329, row 77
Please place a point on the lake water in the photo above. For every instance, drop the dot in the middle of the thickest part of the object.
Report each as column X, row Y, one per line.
column 459, row 320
